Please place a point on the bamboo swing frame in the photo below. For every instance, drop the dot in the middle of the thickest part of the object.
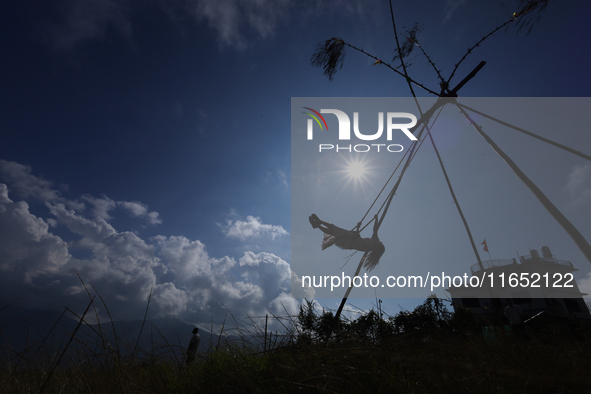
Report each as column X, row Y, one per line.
column 447, row 96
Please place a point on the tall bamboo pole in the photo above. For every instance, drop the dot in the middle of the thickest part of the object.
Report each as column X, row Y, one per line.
column 560, row 218
column 453, row 195
column 344, row 300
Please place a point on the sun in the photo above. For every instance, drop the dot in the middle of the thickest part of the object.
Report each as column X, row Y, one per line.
column 356, row 171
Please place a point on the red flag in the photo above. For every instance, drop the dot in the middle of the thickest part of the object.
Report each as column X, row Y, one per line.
column 485, row 245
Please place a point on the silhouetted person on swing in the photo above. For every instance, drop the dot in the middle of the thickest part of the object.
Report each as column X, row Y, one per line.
column 350, row 239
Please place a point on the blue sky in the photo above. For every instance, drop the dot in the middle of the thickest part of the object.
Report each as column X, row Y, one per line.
column 422, row 230
column 149, row 146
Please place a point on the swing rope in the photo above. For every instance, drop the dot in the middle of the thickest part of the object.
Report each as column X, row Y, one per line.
column 378, row 196
column 413, row 153
column 571, row 230
column 556, row 144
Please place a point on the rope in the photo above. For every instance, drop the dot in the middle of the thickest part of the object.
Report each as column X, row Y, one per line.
column 380, row 193
column 453, row 195
column 556, row 144
column 395, row 188
column 571, row 230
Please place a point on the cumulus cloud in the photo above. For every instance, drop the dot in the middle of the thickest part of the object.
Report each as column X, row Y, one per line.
column 301, row 291
column 140, row 210
column 284, row 303
column 578, row 185
column 101, row 206
column 170, row 300
column 185, row 258
column 266, row 269
column 121, row 264
column 251, row 228
column 27, row 185
column 44, row 271
column 135, row 208
column 27, row 249
column 219, row 284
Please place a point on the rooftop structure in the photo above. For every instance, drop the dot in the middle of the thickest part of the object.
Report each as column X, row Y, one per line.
column 537, row 282
column 532, row 258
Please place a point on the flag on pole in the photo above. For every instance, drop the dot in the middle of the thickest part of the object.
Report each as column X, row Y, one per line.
column 485, row 245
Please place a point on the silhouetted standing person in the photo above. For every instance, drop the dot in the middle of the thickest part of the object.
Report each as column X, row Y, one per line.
column 193, row 346
column 514, row 314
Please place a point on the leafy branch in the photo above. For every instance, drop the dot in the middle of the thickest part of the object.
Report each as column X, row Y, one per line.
column 330, row 55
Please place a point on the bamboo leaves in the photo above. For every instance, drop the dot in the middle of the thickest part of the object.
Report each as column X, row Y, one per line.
column 329, row 56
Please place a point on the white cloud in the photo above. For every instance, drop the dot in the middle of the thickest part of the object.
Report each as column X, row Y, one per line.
column 121, row 265
column 233, row 18
column 90, row 20
column 267, row 270
column 91, row 229
column 41, row 269
column 252, row 227
column 27, row 185
column 101, row 206
column 170, row 300
column 282, row 177
column 185, row 258
column 303, row 291
column 579, row 184
column 4, row 194
column 153, row 218
column 235, row 21
column 140, row 210
column 284, row 304
column 134, row 208
column 27, row 249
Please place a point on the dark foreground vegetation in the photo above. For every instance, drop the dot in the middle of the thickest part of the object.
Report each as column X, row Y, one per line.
column 429, row 350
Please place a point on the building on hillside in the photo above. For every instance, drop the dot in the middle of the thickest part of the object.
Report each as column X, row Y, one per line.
column 538, row 284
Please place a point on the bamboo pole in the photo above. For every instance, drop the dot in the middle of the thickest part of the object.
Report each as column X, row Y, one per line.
column 453, row 195
column 344, row 300
column 422, row 121
column 571, row 230
column 266, row 321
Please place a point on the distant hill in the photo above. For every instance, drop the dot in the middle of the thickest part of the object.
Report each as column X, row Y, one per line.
column 41, row 333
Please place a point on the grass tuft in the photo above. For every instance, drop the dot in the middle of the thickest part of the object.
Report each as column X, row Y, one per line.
column 414, row 352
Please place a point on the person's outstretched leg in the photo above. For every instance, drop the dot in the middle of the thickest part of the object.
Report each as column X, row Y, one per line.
column 314, row 220
column 322, row 225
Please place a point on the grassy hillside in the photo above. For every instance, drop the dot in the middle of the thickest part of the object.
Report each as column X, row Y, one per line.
column 428, row 350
